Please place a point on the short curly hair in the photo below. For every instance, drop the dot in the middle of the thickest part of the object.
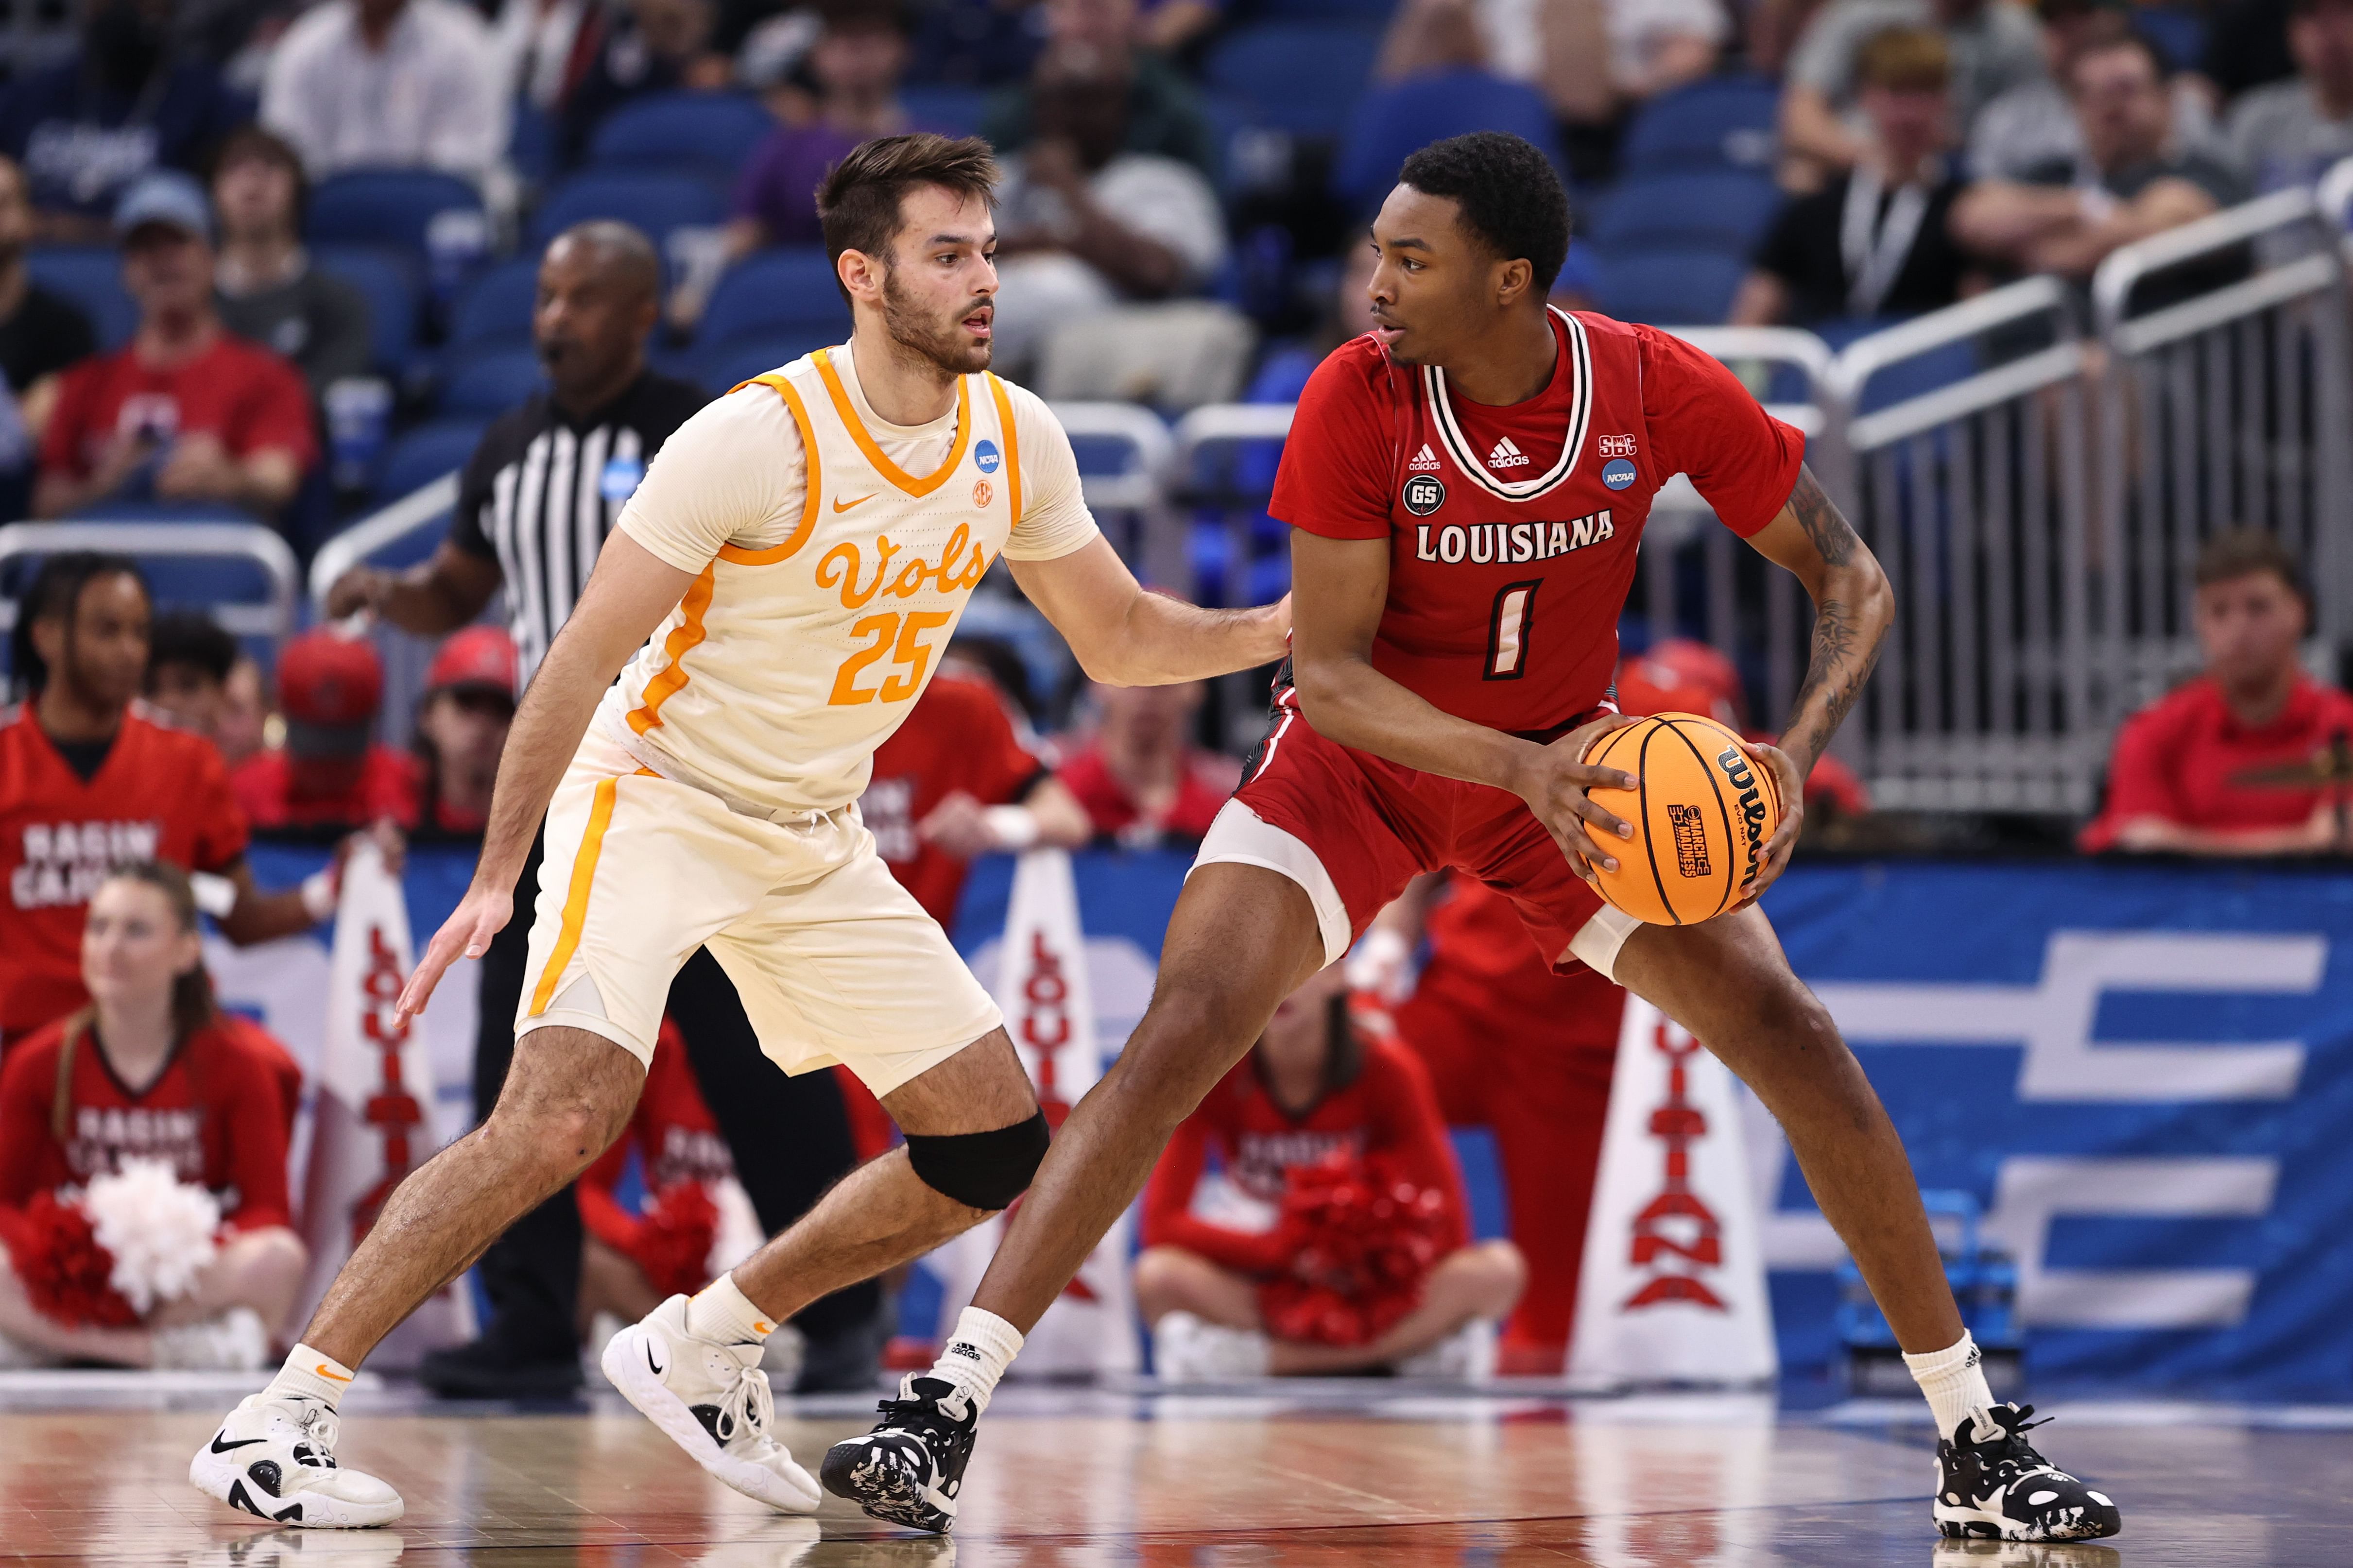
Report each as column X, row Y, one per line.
column 1509, row 192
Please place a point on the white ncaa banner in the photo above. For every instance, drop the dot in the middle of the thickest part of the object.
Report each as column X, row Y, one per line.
column 1672, row 1288
column 1042, row 985
column 373, row 1119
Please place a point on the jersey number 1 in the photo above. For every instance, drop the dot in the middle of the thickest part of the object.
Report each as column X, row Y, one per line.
column 1507, row 630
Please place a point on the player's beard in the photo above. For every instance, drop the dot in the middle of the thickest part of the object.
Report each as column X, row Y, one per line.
column 942, row 341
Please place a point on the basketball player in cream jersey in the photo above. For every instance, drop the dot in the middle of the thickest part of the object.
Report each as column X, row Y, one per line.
column 780, row 589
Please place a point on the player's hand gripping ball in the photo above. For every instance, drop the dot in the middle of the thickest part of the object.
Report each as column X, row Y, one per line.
column 1702, row 809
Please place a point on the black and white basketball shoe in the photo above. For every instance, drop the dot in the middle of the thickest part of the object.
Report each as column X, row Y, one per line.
column 1992, row 1485
column 275, row 1458
column 908, row 1469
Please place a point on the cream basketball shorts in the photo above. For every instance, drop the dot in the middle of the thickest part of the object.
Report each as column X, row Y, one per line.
column 834, row 960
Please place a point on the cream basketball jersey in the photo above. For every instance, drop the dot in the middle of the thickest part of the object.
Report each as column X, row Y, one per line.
column 834, row 555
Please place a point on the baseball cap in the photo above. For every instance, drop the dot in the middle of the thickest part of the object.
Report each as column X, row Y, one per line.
column 328, row 688
column 479, row 658
column 165, row 197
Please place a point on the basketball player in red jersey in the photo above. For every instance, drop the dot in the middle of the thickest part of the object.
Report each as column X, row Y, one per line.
column 1466, row 486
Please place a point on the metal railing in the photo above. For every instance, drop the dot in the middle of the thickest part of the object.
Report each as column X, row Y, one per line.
column 272, row 616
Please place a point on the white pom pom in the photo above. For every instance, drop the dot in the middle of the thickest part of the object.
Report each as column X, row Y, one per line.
column 738, row 1233
column 159, row 1228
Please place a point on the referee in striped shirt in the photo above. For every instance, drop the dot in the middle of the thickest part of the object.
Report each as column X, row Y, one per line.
column 536, row 500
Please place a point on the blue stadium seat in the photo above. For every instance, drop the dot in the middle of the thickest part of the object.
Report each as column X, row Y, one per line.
column 1368, row 12
column 385, row 207
column 950, row 110
column 1667, row 288
column 197, row 581
column 773, row 290
column 487, row 382
column 654, row 203
column 389, row 278
column 436, row 447
column 1392, row 122
column 1300, row 77
column 1722, row 122
column 1720, row 211
column 670, row 131
column 497, row 307
column 726, row 365
column 91, row 277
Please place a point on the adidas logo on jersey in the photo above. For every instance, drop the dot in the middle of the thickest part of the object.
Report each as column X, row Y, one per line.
column 1506, row 456
column 1424, row 461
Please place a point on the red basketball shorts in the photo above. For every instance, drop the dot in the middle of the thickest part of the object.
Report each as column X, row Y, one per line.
column 1353, row 830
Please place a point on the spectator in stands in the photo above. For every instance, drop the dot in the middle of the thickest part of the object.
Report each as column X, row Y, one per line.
column 41, row 331
column 246, row 722
column 185, row 412
column 1876, row 241
column 377, row 83
column 856, row 64
column 1095, row 41
column 86, row 782
column 2246, row 47
column 2034, row 124
column 544, row 44
column 1443, row 86
column 88, row 128
column 189, row 659
column 2066, row 216
column 2290, row 133
column 462, row 729
column 1994, row 47
column 332, row 772
column 660, row 46
column 1315, row 1090
column 1139, row 775
column 206, row 1099
column 267, row 290
column 955, row 781
column 2252, row 755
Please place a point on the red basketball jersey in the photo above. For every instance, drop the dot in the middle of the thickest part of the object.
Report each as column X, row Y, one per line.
column 1513, row 530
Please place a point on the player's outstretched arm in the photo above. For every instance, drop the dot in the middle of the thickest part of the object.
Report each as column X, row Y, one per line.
column 626, row 596
column 1853, row 610
column 1123, row 636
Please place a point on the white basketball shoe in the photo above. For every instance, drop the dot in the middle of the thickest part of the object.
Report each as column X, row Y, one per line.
column 275, row 1458
column 712, row 1400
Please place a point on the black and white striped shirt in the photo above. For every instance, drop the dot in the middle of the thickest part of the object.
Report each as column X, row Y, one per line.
column 542, row 490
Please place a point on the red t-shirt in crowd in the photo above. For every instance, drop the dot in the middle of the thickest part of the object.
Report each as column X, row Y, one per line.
column 160, row 794
column 2175, row 760
column 674, row 1133
column 1204, row 787
column 214, row 1112
column 1387, row 1107
column 1513, row 530
column 957, row 738
column 387, row 784
column 240, row 394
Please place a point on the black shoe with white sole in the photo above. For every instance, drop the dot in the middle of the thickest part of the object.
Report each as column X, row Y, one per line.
column 1992, row 1485
column 908, row 1469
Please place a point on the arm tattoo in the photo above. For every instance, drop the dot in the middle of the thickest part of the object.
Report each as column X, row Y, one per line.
column 1843, row 660
column 1833, row 537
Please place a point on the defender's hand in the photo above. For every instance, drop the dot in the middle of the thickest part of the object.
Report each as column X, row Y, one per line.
column 479, row 916
column 1555, row 785
column 1774, row 859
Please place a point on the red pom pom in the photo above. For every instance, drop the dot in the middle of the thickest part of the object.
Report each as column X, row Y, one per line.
column 55, row 1252
column 1360, row 1239
column 673, row 1244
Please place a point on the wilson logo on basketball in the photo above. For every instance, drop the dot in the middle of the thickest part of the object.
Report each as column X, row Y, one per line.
column 1735, row 764
column 1484, row 543
column 1690, row 841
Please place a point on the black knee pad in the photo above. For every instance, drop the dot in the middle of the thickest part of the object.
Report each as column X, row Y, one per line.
column 981, row 1170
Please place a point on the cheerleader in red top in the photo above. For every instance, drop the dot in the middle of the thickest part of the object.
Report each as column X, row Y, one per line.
column 149, row 1071
column 1314, row 1094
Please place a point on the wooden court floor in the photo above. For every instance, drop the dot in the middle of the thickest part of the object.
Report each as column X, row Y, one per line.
column 1378, row 1478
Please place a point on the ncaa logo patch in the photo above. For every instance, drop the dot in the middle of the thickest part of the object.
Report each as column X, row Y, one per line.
column 620, row 479
column 985, row 456
column 1424, row 495
column 1617, row 473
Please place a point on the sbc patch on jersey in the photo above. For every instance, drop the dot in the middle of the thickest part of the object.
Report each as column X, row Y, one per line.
column 1617, row 473
column 1616, row 446
column 1424, row 495
column 985, row 456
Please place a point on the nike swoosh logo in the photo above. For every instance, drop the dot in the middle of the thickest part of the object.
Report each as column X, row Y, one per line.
column 331, row 1376
column 221, row 1447
column 651, row 1362
column 841, row 505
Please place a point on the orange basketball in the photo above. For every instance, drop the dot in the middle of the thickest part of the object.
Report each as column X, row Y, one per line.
column 1702, row 810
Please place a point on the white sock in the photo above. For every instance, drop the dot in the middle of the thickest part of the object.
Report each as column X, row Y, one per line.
column 720, row 1311
column 309, row 1375
column 977, row 1353
column 1955, row 1383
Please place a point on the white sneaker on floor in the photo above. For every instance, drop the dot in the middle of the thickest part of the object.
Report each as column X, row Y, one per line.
column 1190, row 1348
column 712, row 1400
column 1466, row 1355
column 275, row 1458
column 234, row 1341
